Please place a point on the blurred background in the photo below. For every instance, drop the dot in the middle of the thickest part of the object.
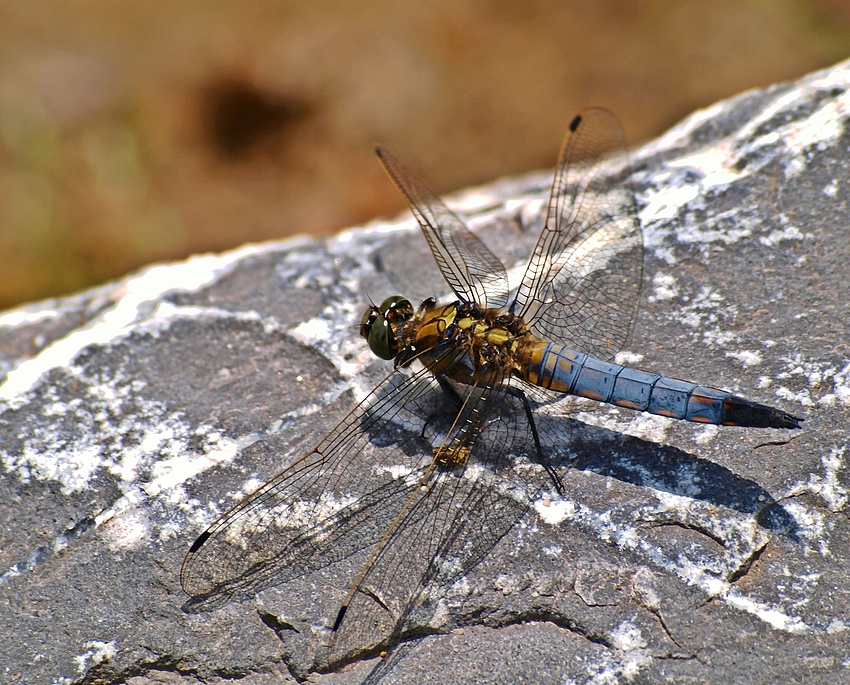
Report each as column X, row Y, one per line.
column 132, row 132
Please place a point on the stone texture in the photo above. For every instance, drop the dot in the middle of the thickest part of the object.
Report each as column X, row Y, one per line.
column 130, row 415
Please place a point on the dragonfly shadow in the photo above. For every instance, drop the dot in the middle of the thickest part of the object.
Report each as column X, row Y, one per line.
column 490, row 493
column 677, row 472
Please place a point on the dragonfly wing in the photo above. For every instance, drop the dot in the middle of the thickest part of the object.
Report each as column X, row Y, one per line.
column 452, row 520
column 583, row 281
column 316, row 512
column 472, row 271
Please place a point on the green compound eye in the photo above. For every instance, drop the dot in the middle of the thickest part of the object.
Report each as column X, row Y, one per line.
column 378, row 325
column 382, row 340
column 391, row 304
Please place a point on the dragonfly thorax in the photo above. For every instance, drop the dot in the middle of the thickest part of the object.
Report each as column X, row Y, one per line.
column 462, row 341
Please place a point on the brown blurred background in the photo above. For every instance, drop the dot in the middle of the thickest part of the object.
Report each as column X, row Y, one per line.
column 139, row 131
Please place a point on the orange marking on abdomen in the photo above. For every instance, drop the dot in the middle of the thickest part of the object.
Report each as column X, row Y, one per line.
column 628, row 404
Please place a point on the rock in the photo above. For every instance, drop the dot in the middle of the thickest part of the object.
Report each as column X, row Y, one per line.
column 133, row 414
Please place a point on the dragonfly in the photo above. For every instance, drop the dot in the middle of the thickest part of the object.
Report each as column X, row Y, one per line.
column 435, row 465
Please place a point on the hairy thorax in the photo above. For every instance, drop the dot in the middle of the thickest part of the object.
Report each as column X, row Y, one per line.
column 484, row 344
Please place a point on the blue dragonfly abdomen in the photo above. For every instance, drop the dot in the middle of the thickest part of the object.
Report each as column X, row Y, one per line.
column 557, row 367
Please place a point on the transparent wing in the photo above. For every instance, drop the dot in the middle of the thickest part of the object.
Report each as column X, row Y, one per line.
column 473, row 272
column 582, row 284
column 455, row 517
column 328, row 505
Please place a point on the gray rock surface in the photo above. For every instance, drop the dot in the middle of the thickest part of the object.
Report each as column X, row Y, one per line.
column 132, row 414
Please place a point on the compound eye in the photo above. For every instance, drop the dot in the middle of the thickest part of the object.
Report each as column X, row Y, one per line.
column 368, row 321
column 389, row 303
column 382, row 339
column 396, row 308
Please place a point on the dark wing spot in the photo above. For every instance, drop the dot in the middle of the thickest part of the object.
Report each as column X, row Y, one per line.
column 340, row 616
column 202, row 538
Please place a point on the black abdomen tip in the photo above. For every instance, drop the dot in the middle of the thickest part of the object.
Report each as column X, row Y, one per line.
column 784, row 420
column 738, row 411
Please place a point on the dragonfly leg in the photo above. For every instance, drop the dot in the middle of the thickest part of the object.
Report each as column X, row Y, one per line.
column 449, row 391
column 456, row 403
column 541, row 458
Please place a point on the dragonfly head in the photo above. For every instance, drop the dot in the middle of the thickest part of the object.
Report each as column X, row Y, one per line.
column 380, row 325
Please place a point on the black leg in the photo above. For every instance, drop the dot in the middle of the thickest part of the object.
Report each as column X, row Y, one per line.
column 444, row 412
column 449, row 391
column 541, row 458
